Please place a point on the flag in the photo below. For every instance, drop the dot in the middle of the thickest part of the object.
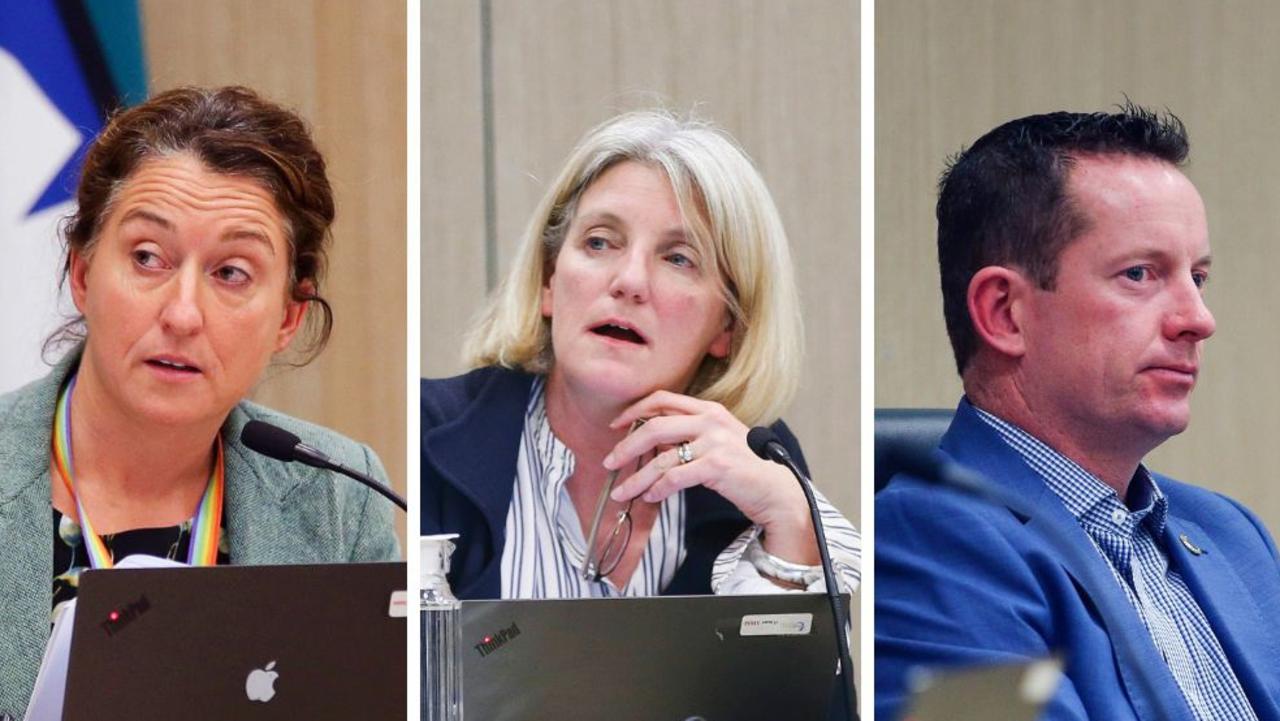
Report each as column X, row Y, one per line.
column 64, row 66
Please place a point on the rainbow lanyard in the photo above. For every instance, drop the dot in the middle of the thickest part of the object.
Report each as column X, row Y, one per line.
column 203, row 546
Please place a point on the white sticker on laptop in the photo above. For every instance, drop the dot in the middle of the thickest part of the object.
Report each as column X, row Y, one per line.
column 399, row 607
column 776, row 624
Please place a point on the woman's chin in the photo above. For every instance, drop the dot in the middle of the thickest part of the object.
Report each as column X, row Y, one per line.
column 598, row 387
column 624, row 391
column 172, row 413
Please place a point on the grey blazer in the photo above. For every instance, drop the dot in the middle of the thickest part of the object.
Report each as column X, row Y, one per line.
column 274, row 513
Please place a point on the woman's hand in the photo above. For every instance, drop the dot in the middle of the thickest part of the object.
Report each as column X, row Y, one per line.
column 765, row 492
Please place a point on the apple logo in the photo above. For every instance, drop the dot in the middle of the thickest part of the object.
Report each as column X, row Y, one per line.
column 260, row 685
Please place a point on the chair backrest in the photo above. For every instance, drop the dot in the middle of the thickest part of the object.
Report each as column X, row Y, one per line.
column 906, row 431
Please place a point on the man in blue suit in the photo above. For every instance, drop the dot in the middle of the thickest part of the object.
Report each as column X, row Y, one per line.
column 1073, row 253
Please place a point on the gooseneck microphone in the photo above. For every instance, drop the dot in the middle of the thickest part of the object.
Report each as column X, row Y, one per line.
column 282, row 445
column 765, row 443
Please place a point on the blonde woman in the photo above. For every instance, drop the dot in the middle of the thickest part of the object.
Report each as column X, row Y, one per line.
column 599, row 446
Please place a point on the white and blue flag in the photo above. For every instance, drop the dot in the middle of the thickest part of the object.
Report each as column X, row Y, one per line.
column 64, row 64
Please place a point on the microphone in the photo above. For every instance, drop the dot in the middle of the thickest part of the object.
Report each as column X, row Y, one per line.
column 765, row 443
column 277, row 443
column 935, row 468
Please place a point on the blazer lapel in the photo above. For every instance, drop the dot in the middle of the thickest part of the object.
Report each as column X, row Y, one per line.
column 1242, row 629
column 1130, row 642
column 253, row 510
column 476, row 455
column 26, row 534
column 26, row 573
column 269, row 517
column 976, row 445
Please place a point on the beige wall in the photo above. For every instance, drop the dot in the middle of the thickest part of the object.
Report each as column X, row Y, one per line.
column 782, row 77
column 946, row 72
column 341, row 65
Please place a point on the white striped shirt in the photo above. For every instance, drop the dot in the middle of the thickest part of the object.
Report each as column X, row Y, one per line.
column 545, row 544
column 1130, row 543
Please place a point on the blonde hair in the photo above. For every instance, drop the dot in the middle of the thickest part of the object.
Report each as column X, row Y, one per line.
column 731, row 219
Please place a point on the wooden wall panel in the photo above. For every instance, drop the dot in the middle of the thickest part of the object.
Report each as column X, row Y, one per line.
column 948, row 72
column 453, row 207
column 342, row 66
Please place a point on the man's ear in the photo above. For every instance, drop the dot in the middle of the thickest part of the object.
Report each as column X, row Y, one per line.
column 997, row 301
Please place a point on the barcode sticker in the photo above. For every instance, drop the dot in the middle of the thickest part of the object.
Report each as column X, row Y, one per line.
column 776, row 624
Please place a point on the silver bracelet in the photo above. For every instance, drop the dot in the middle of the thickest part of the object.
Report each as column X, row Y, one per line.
column 781, row 569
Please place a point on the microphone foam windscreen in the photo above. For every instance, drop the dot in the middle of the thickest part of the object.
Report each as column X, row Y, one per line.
column 758, row 440
column 270, row 440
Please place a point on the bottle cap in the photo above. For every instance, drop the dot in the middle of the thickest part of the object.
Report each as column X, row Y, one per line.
column 435, row 554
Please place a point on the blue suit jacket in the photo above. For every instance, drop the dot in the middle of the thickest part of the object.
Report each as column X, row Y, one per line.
column 960, row 582
column 471, row 428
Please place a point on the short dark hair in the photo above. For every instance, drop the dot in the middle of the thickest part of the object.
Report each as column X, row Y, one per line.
column 234, row 131
column 1004, row 201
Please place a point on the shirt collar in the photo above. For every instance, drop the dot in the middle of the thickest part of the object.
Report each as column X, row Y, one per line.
column 553, row 457
column 1089, row 500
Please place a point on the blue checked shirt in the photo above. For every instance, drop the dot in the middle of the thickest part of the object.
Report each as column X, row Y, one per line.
column 1130, row 543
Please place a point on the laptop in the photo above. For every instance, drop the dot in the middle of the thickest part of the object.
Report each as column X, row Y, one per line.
column 682, row 658
column 239, row 642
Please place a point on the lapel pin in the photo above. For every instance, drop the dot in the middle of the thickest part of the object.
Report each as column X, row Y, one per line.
column 1189, row 545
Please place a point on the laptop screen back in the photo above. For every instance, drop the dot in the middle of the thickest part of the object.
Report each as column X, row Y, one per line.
column 238, row 642
column 716, row 658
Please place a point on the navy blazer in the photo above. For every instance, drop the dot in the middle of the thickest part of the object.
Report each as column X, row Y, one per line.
column 471, row 428
column 959, row 581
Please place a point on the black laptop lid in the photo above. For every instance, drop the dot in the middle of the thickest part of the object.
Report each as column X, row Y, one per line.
column 712, row 658
column 307, row 642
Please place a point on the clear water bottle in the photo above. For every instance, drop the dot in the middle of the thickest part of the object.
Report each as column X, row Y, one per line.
column 441, row 633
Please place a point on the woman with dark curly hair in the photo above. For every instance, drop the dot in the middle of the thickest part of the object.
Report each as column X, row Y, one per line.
column 195, row 256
